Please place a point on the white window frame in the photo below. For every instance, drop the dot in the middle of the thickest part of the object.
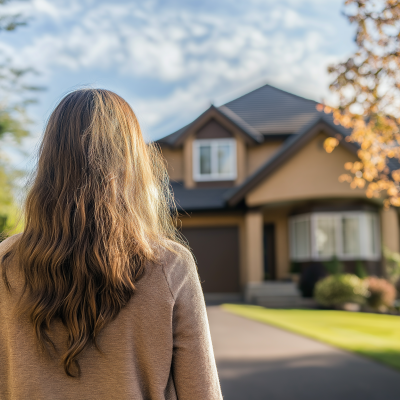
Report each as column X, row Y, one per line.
column 214, row 176
column 366, row 252
column 292, row 222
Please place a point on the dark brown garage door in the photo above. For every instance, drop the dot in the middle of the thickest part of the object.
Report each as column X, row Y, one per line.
column 217, row 255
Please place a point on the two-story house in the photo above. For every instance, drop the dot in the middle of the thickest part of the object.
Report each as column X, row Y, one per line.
column 258, row 192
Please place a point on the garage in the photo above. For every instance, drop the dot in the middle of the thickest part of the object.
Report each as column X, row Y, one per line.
column 216, row 250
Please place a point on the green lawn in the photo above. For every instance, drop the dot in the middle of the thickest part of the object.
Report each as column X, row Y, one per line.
column 372, row 335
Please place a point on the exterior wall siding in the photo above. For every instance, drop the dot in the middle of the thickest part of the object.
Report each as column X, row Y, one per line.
column 174, row 158
column 259, row 155
column 311, row 173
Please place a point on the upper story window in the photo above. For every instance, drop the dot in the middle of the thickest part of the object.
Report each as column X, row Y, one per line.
column 348, row 235
column 214, row 159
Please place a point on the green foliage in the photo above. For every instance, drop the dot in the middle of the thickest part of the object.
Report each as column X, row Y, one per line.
column 392, row 265
column 334, row 266
column 336, row 290
column 295, row 267
column 382, row 293
column 9, row 22
column 8, row 208
column 360, row 270
column 12, row 124
column 15, row 95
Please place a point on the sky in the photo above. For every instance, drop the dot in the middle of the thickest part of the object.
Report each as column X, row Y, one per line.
column 171, row 59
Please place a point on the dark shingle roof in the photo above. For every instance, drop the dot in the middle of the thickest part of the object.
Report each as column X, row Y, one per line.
column 257, row 136
column 270, row 110
column 170, row 139
column 262, row 112
column 199, row 198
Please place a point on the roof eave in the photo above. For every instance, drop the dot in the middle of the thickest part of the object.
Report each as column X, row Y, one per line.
column 296, row 143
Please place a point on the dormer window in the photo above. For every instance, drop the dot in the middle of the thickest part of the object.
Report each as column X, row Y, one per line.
column 214, row 159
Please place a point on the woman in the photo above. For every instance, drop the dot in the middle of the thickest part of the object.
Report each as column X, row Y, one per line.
column 98, row 299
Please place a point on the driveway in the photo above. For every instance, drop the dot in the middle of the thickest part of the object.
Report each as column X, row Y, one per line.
column 259, row 362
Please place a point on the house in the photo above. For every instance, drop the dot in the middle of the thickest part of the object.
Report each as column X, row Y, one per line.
column 260, row 196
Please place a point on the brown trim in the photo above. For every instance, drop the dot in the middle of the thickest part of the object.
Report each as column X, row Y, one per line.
column 214, row 184
column 320, row 126
column 213, row 112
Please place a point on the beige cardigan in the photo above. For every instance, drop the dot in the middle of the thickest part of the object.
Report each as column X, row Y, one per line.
column 158, row 347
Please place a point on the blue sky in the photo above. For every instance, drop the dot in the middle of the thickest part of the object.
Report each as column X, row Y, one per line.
column 170, row 59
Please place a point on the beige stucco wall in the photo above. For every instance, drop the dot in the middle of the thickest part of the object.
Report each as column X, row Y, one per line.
column 187, row 162
column 258, row 155
column 174, row 158
column 254, row 252
column 390, row 229
column 311, row 173
column 279, row 217
column 241, row 159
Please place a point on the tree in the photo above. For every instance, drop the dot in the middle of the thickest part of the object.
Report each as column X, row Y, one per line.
column 366, row 88
column 13, row 119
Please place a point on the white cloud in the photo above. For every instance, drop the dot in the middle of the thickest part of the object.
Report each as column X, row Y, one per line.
column 200, row 53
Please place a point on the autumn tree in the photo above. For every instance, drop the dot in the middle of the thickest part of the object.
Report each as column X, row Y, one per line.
column 366, row 88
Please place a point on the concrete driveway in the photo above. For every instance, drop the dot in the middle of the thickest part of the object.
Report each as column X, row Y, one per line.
column 257, row 361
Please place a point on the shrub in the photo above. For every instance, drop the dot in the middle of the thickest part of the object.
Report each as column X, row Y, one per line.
column 382, row 293
column 334, row 266
column 360, row 270
column 336, row 290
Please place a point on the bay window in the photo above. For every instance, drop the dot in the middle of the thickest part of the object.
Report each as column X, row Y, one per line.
column 214, row 159
column 348, row 235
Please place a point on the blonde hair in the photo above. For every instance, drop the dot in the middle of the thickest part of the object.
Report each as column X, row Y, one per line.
column 98, row 210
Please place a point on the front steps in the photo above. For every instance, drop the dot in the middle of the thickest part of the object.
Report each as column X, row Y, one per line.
column 275, row 294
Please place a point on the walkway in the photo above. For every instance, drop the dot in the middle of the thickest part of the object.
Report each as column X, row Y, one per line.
column 260, row 362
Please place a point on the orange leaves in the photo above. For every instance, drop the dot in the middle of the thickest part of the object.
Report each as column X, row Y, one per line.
column 330, row 144
column 345, row 178
column 396, row 175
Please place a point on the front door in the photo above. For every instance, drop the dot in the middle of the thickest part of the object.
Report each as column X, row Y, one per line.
column 269, row 252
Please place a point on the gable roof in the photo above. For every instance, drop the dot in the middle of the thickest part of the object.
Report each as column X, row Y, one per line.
column 197, row 199
column 263, row 112
column 322, row 123
column 270, row 110
column 176, row 138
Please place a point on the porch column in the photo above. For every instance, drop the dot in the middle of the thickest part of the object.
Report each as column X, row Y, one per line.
column 390, row 229
column 282, row 261
column 254, row 230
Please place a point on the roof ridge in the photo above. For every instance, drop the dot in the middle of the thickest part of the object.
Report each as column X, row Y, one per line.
column 274, row 88
column 240, row 122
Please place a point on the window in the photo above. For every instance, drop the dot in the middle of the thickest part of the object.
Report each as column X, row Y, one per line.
column 347, row 235
column 214, row 160
column 301, row 238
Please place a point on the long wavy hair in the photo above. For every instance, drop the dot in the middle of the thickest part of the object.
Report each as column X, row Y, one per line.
column 98, row 210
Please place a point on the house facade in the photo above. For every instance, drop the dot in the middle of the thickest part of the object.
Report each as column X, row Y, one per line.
column 260, row 197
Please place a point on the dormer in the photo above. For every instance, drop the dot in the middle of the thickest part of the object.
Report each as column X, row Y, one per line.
column 214, row 150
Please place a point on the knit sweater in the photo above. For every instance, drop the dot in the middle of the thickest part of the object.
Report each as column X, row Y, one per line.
column 157, row 348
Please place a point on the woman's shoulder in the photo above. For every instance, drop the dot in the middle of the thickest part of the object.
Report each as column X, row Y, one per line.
column 7, row 243
column 178, row 264
column 174, row 251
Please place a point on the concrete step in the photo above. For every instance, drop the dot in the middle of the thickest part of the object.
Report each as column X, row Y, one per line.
column 275, row 294
column 272, row 289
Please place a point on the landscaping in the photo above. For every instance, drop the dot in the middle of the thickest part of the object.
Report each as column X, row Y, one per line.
column 376, row 336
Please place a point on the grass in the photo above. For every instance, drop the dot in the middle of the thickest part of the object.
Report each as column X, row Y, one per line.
column 376, row 336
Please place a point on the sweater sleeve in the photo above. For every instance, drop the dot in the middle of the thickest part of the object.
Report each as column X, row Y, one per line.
column 193, row 365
